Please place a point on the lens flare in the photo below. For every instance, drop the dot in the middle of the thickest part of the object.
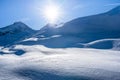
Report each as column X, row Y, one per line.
column 52, row 13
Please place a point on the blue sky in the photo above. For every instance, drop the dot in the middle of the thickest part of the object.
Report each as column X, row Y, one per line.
column 30, row 11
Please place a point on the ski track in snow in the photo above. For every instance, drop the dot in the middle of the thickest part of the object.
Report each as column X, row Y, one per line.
column 41, row 63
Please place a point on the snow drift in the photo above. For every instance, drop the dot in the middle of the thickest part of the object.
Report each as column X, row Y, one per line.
column 41, row 63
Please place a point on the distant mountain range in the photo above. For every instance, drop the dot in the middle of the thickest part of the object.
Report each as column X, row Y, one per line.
column 101, row 31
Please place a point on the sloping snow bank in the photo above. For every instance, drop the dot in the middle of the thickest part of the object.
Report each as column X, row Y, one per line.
column 41, row 63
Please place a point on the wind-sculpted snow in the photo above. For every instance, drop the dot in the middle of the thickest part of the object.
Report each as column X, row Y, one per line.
column 41, row 63
column 104, row 44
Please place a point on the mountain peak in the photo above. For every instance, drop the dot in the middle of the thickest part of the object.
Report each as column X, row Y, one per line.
column 15, row 28
column 115, row 11
column 18, row 23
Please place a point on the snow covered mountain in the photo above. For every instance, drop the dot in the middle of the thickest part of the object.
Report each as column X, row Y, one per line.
column 14, row 33
column 81, row 30
column 38, row 62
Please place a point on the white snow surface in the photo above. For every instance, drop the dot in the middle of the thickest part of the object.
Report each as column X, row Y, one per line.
column 54, row 36
column 41, row 63
column 97, row 41
column 31, row 39
column 43, row 38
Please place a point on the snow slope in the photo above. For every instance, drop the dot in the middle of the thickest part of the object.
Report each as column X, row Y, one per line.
column 41, row 63
column 81, row 30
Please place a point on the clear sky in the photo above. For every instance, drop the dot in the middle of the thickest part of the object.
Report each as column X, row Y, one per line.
column 31, row 11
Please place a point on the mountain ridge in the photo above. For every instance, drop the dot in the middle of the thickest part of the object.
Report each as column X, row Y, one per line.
column 81, row 30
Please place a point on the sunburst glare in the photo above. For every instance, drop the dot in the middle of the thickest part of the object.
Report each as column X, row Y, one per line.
column 52, row 13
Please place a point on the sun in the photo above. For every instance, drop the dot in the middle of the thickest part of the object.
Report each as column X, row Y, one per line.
column 52, row 13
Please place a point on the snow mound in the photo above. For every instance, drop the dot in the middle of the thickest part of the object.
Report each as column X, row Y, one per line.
column 41, row 63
